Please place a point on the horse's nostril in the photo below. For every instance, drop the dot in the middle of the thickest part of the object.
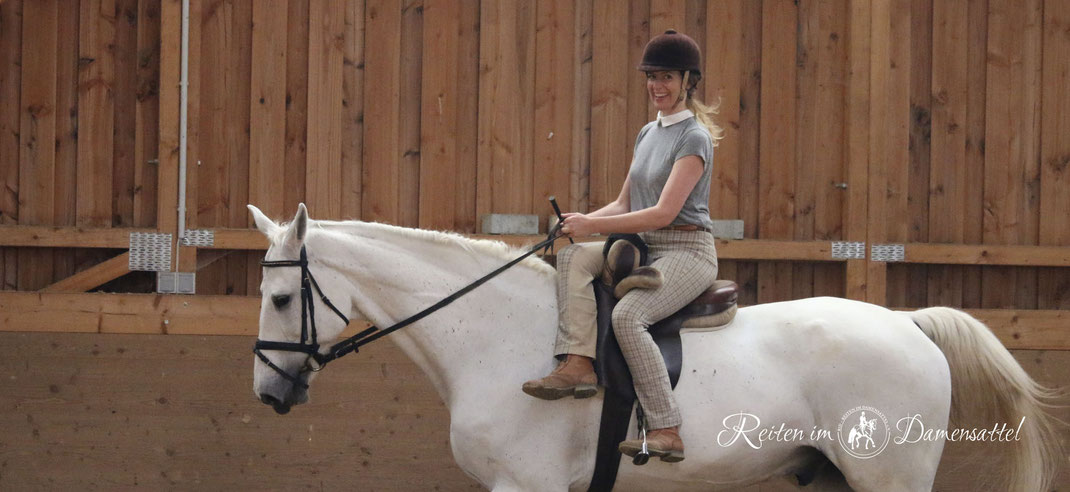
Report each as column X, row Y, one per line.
column 280, row 407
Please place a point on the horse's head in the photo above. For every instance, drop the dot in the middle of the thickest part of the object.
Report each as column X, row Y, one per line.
column 296, row 325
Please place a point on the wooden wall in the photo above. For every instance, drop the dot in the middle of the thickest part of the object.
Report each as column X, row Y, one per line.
column 117, row 412
column 432, row 113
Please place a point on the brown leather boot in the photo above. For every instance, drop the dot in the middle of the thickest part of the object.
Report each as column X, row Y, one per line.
column 663, row 443
column 573, row 377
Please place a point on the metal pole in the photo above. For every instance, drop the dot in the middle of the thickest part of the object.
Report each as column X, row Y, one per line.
column 183, row 129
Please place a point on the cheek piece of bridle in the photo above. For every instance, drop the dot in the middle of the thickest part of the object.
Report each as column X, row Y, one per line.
column 309, row 345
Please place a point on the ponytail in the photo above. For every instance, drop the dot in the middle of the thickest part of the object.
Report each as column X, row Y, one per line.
column 704, row 113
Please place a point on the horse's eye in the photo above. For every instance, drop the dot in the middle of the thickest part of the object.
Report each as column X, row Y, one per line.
column 280, row 300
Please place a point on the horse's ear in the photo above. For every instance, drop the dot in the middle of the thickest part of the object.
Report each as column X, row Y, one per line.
column 299, row 226
column 263, row 223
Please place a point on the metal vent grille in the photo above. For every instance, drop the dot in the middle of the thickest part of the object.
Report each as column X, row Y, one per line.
column 890, row 253
column 150, row 252
column 199, row 237
column 849, row 250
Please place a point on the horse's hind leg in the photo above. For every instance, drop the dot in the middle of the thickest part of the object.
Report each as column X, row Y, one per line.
column 900, row 468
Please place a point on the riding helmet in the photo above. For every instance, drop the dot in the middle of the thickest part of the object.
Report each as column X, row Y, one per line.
column 672, row 51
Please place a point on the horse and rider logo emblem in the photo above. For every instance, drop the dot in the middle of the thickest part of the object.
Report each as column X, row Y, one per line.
column 863, row 432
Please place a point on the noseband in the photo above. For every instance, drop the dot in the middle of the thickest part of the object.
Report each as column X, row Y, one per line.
column 309, row 345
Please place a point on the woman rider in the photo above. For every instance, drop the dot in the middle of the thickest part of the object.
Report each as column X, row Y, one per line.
column 665, row 199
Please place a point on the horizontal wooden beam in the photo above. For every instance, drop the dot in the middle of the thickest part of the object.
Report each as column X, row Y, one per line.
column 744, row 249
column 1035, row 329
column 66, row 237
column 93, row 276
column 1028, row 329
column 987, row 254
column 129, row 313
column 239, row 315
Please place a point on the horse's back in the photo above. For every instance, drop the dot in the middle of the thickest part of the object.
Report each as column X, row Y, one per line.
column 800, row 365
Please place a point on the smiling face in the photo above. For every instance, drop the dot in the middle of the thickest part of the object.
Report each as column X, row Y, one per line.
column 664, row 89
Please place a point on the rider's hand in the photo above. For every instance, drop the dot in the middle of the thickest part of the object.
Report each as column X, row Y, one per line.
column 577, row 225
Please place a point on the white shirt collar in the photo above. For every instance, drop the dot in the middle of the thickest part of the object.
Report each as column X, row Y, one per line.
column 674, row 118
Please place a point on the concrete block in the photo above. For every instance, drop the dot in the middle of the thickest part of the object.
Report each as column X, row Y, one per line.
column 510, row 224
column 728, row 229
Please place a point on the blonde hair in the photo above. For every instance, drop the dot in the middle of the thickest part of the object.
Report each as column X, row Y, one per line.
column 704, row 113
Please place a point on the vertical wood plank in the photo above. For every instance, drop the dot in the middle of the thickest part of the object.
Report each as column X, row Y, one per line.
column 439, row 113
column 667, row 14
column 1011, row 134
column 1054, row 284
column 167, row 170
column 146, row 118
column 750, row 133
column 506, row 87
column 947, row 193
column 468, row 104
column 554, row 86
column 267, row 109
column 37, row 132
column 409, row 100
column 96, row 112
column 880, row 145
column 609, row 89
column 857, row 142
column 297, row 105
column 382, row 147
column 897, row 161
column 639, row 109
column 208, row 157
column 324, row 173
column 830, row 161
column 125, row 49
column 912, row 290
column 65, row 261
column 805, row 154
column 10, row 119
column 723, row 77
column 210, row 145
column 581, row 117
column 695, row 17
column 267, row 116
column 776, row 173
column 977, row 67
column 353, row 110
column 238, row 128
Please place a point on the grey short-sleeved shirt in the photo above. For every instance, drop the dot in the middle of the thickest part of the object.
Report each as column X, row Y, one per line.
column 657, row 148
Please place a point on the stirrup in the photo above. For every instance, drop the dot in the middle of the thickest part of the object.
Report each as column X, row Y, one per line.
column 643, row 456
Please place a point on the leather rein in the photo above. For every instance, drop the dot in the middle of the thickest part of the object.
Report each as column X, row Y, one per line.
column 310, row 345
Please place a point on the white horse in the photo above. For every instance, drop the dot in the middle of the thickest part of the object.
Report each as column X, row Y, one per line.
column 791, row 365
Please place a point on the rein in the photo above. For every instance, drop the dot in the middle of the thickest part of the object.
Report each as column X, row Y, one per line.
column 309, row 345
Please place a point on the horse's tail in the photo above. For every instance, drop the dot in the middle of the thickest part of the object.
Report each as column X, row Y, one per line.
column 989, row 387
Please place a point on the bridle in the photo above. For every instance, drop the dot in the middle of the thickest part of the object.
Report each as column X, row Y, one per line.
column 309, row 344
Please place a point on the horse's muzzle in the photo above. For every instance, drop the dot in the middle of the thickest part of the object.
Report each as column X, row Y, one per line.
column 281, row 407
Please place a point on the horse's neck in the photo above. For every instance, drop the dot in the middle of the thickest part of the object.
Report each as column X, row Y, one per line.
column 491, row 336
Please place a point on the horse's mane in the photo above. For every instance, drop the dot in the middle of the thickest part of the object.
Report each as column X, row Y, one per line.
column 482, row 247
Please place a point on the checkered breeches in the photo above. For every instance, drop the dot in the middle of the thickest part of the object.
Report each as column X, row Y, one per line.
column 687, row 261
